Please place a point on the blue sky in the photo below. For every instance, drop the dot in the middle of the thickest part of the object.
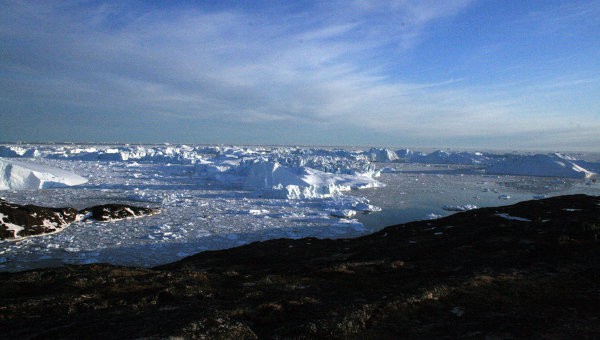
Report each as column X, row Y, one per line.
column 454, row 73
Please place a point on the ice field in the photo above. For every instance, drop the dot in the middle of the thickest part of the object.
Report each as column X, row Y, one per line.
column 214, row 197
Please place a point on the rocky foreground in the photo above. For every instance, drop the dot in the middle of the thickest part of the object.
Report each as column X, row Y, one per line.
column 527, row 270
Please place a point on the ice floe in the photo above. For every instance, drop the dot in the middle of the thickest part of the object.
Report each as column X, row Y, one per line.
column 459, row 207
column 433, row 216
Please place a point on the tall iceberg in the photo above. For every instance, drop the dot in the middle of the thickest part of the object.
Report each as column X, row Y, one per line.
column 17, row 175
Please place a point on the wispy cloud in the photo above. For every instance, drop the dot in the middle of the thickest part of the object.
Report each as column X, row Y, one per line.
column 325, row 64
column 216, row 60
column 565, row 17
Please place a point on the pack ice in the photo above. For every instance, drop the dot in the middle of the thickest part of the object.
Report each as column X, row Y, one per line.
column 216, row 196
column 17, row 175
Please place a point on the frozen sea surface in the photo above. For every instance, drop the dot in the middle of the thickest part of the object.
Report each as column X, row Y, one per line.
column 214, row 197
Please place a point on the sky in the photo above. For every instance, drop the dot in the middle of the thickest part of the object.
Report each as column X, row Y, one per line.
column 514, row 74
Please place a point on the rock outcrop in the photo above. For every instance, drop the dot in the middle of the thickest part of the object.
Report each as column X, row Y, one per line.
column 526, row 270
column 19, row 221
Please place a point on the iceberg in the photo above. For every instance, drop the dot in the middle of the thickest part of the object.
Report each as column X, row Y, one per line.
column 219, row 196
column 16, row 151
column 271, row 179
column 405, row 155
column 382, row 155
column 17, row 175
column 6, row 151
column 447, row 157
column 551, row 165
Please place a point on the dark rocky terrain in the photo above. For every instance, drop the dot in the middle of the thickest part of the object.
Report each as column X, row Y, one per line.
column 527, row 270
column 18, row 221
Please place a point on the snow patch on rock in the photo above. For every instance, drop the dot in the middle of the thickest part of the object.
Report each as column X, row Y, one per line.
column 465, row 207
column 514, row 218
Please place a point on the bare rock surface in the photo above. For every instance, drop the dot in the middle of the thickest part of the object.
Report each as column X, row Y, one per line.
column 526, row 270
column 19, row 221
